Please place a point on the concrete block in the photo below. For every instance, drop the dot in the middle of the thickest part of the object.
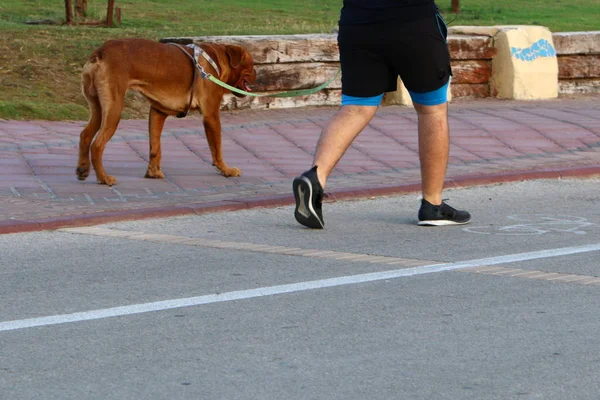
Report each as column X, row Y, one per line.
column 274, row 49
column 469, row 47
column 471, row 71
column 579, row 66
column 568, row 43
column 525, row 66
column 476, row 90
column 400, row 97
column 489, row 31
column 579, row 86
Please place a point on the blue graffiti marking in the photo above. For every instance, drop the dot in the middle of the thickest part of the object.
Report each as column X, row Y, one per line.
column 541, row 48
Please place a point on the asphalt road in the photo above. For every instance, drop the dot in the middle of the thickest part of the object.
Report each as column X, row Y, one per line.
column 250, row 305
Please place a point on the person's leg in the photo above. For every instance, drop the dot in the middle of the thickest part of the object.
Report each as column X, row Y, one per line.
column 366, row 75
column 342, row 129
column 424, row 67
column 337, row 136
column 432, row 110
column 433, row 154
column 433, row 149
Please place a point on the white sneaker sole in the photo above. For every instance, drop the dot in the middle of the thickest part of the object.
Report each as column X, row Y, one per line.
column 442, row 222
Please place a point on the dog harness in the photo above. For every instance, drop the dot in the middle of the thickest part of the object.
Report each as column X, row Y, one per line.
column 198, row 51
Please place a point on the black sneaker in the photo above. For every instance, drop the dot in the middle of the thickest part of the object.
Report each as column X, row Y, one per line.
column 309, row 198
column 441, row 215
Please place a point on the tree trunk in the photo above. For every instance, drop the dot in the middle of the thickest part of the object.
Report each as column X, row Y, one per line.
column 118, row 15
column 109, row 13
column 81, row 8
column 455, row 6
column 69, row 11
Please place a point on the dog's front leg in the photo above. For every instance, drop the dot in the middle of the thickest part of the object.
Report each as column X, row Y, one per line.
column 212, row 127
column 156, row 123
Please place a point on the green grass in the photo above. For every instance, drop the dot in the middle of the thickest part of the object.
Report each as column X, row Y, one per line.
column 557, row 15
column 40, row 65
column 29, row 110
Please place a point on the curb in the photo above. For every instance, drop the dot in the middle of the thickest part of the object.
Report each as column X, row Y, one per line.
column 7, row 227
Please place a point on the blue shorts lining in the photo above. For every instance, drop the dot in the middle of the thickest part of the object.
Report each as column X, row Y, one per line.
column 433, row 98
column 361, row 101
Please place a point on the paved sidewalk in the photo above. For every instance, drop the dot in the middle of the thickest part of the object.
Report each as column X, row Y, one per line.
column 491, row 141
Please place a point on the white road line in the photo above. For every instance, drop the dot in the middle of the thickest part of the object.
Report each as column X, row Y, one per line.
column 534, row 255
column 289, row 288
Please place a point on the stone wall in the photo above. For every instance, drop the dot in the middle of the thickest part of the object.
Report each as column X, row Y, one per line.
column 304, row 61
column 471, row 59
column 578, row 61
column 285, row 62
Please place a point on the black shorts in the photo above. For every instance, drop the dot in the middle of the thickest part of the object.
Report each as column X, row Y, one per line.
column 373, row 56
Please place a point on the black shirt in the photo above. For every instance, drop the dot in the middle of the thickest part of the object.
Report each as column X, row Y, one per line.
column 355, row 12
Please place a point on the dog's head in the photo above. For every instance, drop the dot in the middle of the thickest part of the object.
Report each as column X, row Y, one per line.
column 241, row 68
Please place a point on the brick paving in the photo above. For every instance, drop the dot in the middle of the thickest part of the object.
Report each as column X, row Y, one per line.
column 491, row 141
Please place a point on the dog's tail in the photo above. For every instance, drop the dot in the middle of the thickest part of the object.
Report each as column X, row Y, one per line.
column 87, row 75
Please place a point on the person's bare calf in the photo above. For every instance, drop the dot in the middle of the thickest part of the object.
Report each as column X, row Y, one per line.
column 433, row 149
column 335, row 139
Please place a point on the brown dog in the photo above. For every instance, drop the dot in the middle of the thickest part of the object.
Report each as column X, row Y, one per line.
column 164, row 74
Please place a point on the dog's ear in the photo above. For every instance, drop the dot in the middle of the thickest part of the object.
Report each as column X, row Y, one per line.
column 235, row 54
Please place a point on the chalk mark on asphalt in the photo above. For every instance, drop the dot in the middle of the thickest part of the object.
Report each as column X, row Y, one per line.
column 536, row 224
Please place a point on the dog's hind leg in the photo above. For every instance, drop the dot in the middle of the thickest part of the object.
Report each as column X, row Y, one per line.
column 112, row 105
column 212, row 128
column 156, row 123
column 90, row 130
